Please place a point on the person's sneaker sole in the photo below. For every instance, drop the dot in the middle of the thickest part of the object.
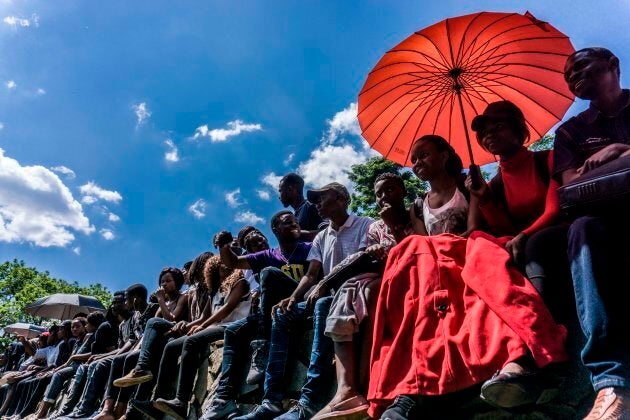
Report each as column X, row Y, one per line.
column 165, row 408
column 127, row 381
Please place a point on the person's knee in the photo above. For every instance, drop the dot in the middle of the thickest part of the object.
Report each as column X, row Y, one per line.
column 585, row 228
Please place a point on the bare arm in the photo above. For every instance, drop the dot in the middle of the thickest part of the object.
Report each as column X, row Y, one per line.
column 240, row 289
column 306, row 282
column 230, row 259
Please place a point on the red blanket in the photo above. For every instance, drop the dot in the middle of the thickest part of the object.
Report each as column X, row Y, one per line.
column 451, row 312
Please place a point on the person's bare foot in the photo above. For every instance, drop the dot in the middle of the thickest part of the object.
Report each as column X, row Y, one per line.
column 104, row 415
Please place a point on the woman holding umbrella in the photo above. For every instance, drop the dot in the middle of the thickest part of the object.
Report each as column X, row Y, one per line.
column 521, row 201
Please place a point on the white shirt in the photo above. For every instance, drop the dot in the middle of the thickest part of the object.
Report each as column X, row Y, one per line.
column 330, row 246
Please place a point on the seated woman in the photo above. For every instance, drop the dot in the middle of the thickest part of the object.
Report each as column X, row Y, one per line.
column 230, row 302
column 521, row 201
column 451, row 311
column 173, row 304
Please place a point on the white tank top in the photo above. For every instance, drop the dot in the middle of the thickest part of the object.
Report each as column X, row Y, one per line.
column 450, row 218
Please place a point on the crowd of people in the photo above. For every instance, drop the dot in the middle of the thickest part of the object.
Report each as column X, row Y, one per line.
column 468, row 288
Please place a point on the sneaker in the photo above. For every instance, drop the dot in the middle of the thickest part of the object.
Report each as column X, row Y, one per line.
column 135, row 377
column 174, row 408
column 265, row 411
column 220, row 409
column 259, row 361
column 510, row 390
column 146, row 408
column 610, row 404
column 298, row 412
column 401, row 409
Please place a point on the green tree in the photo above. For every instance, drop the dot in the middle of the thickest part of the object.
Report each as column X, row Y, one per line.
column 21, row 285
column 363, row 176
column 544, row 143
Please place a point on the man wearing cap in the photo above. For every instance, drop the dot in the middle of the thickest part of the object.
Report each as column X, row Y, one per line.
column 598, row 249
column 346, row 235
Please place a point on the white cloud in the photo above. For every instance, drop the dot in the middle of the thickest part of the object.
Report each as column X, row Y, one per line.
column 88, row 199
column 15, row 21
column 113, row 217
column 37, row 207
column 1, row 126
column 142, row 113
column 11, row 85
column 289, row 159
column 107, row 234
column 92, row 192
column 198, row 208
column 40, row 91
column 344, row 122
column 248, row 217
column 172, row 154
column 232, row 198
column 69, row 173
column 263, row 195
column 337, row 152
column 235, row 128
column 272, row 180
column 330, row 163
column 77, row 250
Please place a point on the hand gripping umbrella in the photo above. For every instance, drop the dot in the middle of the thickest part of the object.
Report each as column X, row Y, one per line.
column 438, row 79
column 63, row 306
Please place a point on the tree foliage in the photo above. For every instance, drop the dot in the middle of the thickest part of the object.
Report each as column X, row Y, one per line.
column 544, row 143
column 21, row 285
column 363, row 176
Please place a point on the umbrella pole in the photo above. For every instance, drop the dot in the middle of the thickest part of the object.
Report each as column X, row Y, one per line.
column 473, row 170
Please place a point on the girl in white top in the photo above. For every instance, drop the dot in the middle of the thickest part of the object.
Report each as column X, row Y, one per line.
column 444, row 209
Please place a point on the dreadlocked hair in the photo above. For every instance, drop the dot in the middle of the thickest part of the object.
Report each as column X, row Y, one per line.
column 196, row 273
column 212, row 275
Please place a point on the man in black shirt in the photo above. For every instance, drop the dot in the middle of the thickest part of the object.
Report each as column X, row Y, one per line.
column 598, row 245
column 291, row 191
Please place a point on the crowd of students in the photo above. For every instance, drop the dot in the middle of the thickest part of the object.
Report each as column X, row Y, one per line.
column 473, row 293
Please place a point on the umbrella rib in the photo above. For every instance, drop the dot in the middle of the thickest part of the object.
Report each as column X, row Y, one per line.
column 527, row 96
column 460, row 53
column 476, row 37
column 393, row 118
column 438, row 65
column 445, row 63
column 481, row 75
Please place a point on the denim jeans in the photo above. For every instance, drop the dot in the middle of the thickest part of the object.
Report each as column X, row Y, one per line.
column 274, row 286
column 238, row 335
column 599, row 252
column 75, row 390
column 153, row 341
column 126, row 360
column 192, row 349
column 97, row 375
column 321, row 371
column 56, row 383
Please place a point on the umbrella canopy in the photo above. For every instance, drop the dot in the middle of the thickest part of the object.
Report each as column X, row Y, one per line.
column 64, row 305
column 27, row 330
column 438, row 79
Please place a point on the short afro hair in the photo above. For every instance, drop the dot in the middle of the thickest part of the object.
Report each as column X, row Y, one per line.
column 137, row 290
column 275, row 219
column 294, row 180
column 393, row 176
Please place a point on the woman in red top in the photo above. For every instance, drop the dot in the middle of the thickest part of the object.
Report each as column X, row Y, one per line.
column 520, row 201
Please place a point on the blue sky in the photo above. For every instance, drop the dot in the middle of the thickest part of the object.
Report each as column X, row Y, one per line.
column 131, row 132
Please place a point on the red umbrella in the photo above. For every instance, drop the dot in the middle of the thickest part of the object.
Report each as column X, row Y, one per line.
column 438, row 79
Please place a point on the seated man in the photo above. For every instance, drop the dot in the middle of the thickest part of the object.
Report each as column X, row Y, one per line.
column 105, row 341
column 599, row 250
column 347, row 314
column 280, row 269
column 345, row 235
column 100, row 365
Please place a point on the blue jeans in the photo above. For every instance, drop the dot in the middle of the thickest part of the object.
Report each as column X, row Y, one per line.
column 238, row 336
column 97, row 375
column 321, row 371
column 56, row 382
column 153, row 342
column 599, row 253
column 74, row 390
